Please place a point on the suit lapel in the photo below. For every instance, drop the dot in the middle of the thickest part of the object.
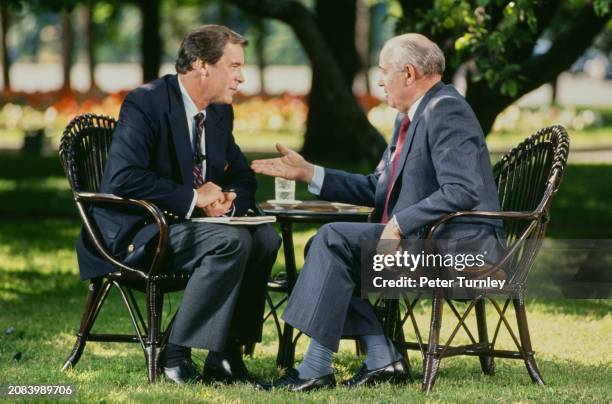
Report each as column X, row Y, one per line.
column 213, row 129
column 412, row 130
column 180, row 131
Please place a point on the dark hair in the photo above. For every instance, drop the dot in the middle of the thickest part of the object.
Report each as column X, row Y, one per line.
column 206, row 43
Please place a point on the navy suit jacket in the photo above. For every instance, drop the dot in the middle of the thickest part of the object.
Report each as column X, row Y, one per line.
column 444, row 167
column 150, row 158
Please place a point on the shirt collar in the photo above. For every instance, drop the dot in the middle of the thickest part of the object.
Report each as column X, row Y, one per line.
column 190, row 108
column 413, row 108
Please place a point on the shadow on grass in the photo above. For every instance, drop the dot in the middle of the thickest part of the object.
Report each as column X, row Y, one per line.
column 28, row 287
column 580, row 209
column 40, row 236
column 594, row 308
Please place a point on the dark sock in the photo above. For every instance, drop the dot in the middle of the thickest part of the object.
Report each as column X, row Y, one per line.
column 317, row 361
column 381, row 351
column 175, row 354
column 232, row 349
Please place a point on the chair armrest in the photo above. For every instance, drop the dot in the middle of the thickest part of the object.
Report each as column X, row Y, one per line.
column 98, row 199
column 533, row 217
column 507, row 215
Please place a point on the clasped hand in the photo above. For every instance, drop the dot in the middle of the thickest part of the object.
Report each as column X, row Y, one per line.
column 213, row 201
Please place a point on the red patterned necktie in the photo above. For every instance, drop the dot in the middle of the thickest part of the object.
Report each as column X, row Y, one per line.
column 401, row 138
column 198, row 157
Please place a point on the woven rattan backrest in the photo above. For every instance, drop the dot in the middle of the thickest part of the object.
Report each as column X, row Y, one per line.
column 531, row 172
column 84, row 150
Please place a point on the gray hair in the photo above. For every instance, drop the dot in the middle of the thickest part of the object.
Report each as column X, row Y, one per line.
column 416, row 50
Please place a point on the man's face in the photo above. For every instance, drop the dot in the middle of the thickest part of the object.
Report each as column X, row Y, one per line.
column 395, row 83
column 225, row 76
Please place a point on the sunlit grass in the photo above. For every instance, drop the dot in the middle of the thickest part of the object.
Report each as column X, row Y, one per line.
column 41, row 299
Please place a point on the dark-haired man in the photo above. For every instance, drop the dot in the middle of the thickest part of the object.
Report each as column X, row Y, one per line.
column 173, row 145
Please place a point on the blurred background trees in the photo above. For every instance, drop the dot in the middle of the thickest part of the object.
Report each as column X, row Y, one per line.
column 497, row 50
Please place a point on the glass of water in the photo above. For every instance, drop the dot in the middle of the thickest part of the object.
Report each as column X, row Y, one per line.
column 284, row 190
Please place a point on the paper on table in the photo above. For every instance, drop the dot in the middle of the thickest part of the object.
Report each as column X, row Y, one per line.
column 237, row 220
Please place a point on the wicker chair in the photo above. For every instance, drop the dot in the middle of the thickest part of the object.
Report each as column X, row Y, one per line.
column 83, row 152
column 527, row 179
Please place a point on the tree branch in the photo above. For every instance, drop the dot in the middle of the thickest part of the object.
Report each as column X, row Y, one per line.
column 566, row 48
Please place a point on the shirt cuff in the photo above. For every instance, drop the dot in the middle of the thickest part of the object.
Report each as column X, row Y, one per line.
column 231, row 212
column 193, row 204
column 394, row 220
column 317, row 180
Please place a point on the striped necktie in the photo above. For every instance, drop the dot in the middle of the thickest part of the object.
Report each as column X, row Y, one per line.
column 198, row 157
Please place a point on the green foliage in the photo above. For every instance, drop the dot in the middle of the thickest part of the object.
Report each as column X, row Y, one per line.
column 602, row 7
column 495, row 36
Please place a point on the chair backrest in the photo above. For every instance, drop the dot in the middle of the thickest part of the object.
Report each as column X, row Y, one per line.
column 529, row 175
column 527, row 178
column 84, row 150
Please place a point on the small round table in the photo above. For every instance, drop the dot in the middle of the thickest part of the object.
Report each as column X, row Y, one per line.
column 286, row 215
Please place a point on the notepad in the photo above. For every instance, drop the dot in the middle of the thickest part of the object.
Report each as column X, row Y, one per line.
column 237, row 220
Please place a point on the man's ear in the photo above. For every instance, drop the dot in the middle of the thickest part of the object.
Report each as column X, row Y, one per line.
column 200, row 66
column 410, row 74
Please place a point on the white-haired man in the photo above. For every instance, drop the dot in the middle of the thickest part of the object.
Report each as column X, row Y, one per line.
column 437, row 162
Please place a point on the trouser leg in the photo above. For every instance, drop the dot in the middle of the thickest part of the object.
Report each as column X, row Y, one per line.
column 324, row 303
column 216, row 255
column 247, row 321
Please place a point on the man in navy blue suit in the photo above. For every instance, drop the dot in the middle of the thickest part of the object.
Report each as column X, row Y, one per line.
column 173, row 145
column 437, row 162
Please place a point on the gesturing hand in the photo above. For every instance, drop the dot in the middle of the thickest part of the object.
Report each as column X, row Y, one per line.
column 218, row 208
column 291, row 165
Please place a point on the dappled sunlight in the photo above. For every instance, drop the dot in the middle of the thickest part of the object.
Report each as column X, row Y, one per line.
column 41, row 299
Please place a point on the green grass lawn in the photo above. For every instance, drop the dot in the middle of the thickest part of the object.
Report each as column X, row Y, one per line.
column 41, row 301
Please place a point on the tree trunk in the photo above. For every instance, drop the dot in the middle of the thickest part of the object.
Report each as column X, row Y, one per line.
column 363, row 39
column 332, row 124
column 151, row 44
column 67, row 48
column 260, row 51
column 337, row 128
column 90, row 33
column 6, row 62
column 554, row 96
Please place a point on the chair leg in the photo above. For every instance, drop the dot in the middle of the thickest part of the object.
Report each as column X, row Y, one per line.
column 486, row 362
column 359, row 348
column 95, row 298
column 249, row 349
column 155, row 301
column 286, row 350
column 432, row 357
column 528, row 354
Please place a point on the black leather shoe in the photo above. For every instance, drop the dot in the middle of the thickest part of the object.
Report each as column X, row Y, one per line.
column 226, row 369
column 186, row 372
column 396, row 372
column 292, row 382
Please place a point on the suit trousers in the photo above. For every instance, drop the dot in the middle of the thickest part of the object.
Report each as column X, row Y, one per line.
column 225, row 296
column 325, row 303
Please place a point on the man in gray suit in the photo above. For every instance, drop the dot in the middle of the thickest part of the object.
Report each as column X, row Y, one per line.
column 437, row 162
